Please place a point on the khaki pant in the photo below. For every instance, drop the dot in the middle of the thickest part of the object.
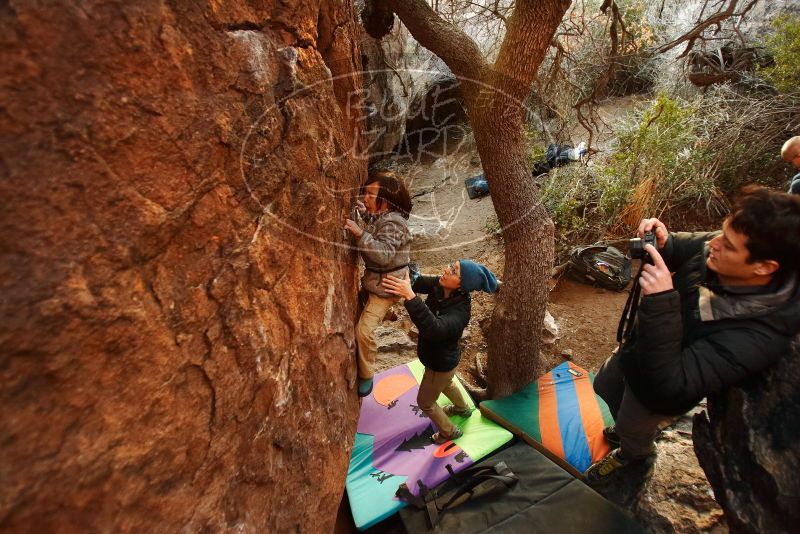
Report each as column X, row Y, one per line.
column 433, row 384
column 636, row 424
column 371, row 317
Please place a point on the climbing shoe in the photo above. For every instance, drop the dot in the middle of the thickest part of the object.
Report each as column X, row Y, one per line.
column 610, row 433
column 605, row 470
column 440, row 437
column 450, row 410
column 364, row 387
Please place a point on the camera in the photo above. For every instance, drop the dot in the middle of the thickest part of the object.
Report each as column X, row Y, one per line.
column 637, row 245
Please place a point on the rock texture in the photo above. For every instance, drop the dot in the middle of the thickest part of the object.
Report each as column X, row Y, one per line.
column 177, row 307
column 436, row 123
column 387, row 90
column 749, row 447
column 397, row 72
column 670, row 493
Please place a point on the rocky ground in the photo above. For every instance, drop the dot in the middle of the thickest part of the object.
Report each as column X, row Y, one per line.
column 670, row 495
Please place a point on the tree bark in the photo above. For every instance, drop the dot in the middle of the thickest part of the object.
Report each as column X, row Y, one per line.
column 494, row 96
column 749, row 448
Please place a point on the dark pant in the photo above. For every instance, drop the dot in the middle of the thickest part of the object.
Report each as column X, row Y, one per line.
column 636, row 424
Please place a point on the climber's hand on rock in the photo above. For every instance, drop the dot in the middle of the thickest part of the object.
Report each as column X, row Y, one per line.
column 352, row 227
column 398, row 286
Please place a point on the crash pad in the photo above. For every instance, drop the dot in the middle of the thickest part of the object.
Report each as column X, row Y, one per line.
column 545, row 499
column 393, row 445
column 559, row 414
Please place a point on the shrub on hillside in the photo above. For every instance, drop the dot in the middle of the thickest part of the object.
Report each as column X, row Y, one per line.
column 784, row 46
column 676, row 159
column 694, row 154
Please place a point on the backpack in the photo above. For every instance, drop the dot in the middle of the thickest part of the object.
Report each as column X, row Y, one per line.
column 480, row 480
column 600, row 264
column 477, row 186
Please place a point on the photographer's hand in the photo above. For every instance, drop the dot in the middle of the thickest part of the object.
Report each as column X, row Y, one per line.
column 655, row 277
column 659, row 228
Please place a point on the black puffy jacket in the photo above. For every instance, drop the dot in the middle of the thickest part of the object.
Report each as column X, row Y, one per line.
column 440, row 322
column 673, row 358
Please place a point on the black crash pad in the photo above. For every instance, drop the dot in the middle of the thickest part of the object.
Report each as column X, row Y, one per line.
column 546, row 499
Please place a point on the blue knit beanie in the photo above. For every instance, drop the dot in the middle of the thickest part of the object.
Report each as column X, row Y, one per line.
column 475, row 276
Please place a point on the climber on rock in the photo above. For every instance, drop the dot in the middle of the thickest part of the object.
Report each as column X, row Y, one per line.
column 385, row 246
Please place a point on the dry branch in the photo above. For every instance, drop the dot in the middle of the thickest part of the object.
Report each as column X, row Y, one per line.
column 716, row 19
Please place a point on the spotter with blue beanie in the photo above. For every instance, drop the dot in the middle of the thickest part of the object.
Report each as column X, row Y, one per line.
column 441, row 320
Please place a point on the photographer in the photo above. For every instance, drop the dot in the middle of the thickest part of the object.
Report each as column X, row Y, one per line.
column 729, row 311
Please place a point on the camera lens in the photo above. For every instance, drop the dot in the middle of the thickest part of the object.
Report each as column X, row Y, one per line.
column 637, row 245
column 637, row 248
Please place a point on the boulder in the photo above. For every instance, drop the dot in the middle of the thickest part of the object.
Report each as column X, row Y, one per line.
column 749, row 447
column 178, row 299
column 670, row 493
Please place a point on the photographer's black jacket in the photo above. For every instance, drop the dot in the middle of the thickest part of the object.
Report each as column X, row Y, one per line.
column 674, row 357
column 440, row 321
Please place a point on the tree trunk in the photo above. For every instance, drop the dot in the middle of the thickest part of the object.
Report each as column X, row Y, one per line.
column 494, row 96
column 749, row 449
column 528, row 236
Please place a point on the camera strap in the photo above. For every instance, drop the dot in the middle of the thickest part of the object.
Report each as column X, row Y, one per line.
column 631, row 306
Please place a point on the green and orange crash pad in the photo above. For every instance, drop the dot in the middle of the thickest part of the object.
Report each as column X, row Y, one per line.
column 560, row 415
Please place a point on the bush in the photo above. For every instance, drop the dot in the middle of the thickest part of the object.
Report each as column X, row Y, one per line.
column 694, row 153
column 784, row 45
column 655, row 163
column 679, row 160
column 570, row 194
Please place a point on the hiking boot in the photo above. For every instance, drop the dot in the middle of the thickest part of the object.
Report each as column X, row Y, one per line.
column 610, row 433
column 440, row 437
column 606, row 469
column 450, row 410
column 364, row 387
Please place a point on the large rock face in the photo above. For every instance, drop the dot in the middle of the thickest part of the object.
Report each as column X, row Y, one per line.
column 177, row 306
column 749, row 448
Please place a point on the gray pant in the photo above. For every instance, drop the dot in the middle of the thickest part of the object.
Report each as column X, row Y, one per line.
column 433, row 384
column 636, row 424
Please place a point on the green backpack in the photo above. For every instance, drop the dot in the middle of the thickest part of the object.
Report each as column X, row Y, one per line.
column 601, row 265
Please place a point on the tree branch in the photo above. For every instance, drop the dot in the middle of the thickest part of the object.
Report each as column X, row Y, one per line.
column 452, row 45
column 530, row 30
column 695, row 33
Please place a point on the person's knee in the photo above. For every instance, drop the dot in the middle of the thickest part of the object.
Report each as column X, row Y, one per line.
column 425, row 401
column 610, row 377
column 364, row 330
column 604, row 384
